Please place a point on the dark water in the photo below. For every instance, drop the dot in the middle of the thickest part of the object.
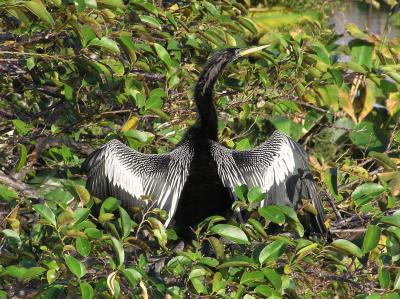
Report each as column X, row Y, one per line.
column 365, row 17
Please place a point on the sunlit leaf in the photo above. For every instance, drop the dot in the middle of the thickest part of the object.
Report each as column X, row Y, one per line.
column 347, row 247
column 46, row 213
column 272, row 213
column 40, row 11
column 371, row 238
column 230, row 232
column 272, row 251
column 75, row 266
column 366, row 192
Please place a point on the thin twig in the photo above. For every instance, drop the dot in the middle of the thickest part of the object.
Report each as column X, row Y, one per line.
column 17, row 185
column 333, row 206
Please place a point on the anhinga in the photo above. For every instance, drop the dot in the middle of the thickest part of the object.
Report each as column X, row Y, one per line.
column 197, row 178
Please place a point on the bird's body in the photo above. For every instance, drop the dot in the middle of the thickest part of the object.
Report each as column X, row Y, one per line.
column 197, row 178
column 204, row 193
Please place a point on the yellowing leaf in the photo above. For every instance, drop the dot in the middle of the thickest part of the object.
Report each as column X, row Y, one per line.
column 395, row 185
column 393, row 103
column 369, row 100
column 83, row 194
column 130, row 124
column 346, row 104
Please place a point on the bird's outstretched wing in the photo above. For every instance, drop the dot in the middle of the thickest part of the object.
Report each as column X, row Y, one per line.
column 119, row 171
column 278, row 166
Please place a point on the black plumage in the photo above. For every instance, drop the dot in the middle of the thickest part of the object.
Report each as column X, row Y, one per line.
column 197, row 178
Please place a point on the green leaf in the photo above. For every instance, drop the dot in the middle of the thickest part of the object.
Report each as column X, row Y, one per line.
column 83, row 246
column 243, row 144
column 46, row 213
column 384, row 160
column 384, row 277
column 391, row 220
column 292, row 218
column 105, row 43
column 330, row 95
column 112, row 3
column 51, row 275
column 396, row 284
column 81, row 214
column 354, row 31
column 163, row 54
column 11, row 235
column 132, row 276
column 86, row 290
column 91, row 3
column 119, row 249
column 331, row 181
column 272, row 213
column 93, row 233
column 371, row 238
column 198, row 284
column 209, row 261
column 68, row 92
column 139, row 98
column 126, row 222
column 80, row 5
column 369, row 136
column 75, row 266
column 158, row 231
column 272, row 251
column 248, row 24
column 237, row 261
column 21, row 127
column 265, row 291
column 7, row 194
column 230, row 232
column 347, row 247
column 251, row 277
column 30, row 63
column 150, row 8
column 110, row 204
column 197, row 272
column 255, row 195
column 241, row 192
column 152, row 21
column 287, row 126
column 153, row 103
column 129, row 47
column 258, row 227
column 211, row 8
column 366, row 192
column 38, row 9
column 22, row 273
column 273, row 277
column 217, row 246
column 22, row 17
column 361, row 52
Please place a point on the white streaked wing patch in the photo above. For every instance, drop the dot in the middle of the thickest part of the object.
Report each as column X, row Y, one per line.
column 267, row 165
column 161, row 177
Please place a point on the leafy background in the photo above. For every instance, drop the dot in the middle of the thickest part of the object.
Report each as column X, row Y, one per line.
column 75, row 74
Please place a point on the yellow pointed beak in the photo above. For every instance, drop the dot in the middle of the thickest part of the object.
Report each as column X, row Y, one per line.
column 249, row 51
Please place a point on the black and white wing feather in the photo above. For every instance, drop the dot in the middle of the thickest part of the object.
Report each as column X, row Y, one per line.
column 119, row 171
column 278, row 166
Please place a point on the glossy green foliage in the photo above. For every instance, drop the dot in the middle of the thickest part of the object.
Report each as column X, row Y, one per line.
column 75, row 74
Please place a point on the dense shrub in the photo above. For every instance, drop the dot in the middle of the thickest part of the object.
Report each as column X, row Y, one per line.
column 75, row 74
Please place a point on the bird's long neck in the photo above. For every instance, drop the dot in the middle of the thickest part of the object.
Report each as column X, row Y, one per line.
column 207, row 121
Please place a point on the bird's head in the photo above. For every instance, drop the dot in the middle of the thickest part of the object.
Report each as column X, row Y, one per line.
column 215, row 65
column 231, row 54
